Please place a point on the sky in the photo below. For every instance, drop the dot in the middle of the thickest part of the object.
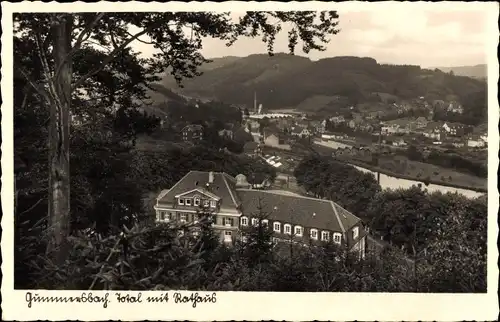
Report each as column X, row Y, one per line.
column 419, row 35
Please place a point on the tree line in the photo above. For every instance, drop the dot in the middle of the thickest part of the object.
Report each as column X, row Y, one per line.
column 445, row 233
column 449, row 160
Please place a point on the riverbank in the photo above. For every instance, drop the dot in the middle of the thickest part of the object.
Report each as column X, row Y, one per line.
column 411, row 178
column 414, row 171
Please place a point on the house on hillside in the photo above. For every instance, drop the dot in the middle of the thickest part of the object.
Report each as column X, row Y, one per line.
column 455, row 107
column 284, row 123
column 420, row 122
column 226, row 133
column 355, row 123
column 399, row 142
column 475, row 141
column 234, row 206
column 455, row 129
column 303, row 124
column 277, row 141
column 252, row 126
column 192, row 133
column 337, row 119
column 434, row 131
column 317, row 126
column 301, row 132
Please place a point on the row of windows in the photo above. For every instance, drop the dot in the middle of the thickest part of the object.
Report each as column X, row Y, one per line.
column 182, row 217
column 287, row 228
column 297, row 230
column 196, row 201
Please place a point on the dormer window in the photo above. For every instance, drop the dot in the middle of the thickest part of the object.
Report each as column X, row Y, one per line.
column 196, row 202
column 288, row 229
column 337, row 237
column 188, row 202
column 325, row 235
column 265, row 222
column 314, row 233
column 244, row 221
column 255, row 222
column 277, row 227
column 355, row 232
column 298, row 231
column 181, row 201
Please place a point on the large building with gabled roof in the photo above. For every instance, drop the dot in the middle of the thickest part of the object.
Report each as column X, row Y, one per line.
column 292, row 217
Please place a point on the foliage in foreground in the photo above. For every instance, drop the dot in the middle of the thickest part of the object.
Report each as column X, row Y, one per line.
column 157, row 258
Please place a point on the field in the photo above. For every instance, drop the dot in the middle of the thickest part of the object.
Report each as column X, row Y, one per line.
column 419, row 171
column 401, row 167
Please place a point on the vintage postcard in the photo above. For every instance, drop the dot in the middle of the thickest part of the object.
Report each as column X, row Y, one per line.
column 250, row 161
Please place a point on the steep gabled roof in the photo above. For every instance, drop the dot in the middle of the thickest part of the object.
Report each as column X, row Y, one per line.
column 297, row 209
column 223, row 187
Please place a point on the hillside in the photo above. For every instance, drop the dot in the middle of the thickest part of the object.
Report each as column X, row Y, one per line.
column 287, row 81
column 169, row 81
column 477, row 71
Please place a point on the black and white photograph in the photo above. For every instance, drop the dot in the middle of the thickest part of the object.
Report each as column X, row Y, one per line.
column 243, row 149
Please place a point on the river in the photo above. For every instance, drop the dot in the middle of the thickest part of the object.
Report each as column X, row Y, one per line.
column 390, row 182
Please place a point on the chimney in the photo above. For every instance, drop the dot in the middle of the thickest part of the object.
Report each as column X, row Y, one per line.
column 211, row 177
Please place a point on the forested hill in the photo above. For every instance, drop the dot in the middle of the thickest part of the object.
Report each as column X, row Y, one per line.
column 476, row 71
column 285, row 81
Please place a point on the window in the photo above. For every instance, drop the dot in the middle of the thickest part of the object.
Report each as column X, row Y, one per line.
column 314, row 233
column 244, row 221
column 228, row 221
column 337, row 238
column 288, row 229
column 255, row 222
column 196, row 201
column 298, row 231
column 325, row 235
column 206, row 203
column 355, row 232
column 277, row 227
column 183, row 217
column 162, row 215
column 181, row 201
column 213, row 203
column 265, row 222
column 188, row 202
column 228, row 236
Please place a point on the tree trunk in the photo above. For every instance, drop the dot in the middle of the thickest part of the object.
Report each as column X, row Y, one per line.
column 59, row 184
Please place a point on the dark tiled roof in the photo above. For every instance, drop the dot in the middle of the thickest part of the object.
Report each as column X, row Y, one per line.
column 223, row 187
column 295, row 209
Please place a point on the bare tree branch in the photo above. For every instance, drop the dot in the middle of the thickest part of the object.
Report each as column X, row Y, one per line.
column 33, row 84
column 32, row 207
column 87, row 32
